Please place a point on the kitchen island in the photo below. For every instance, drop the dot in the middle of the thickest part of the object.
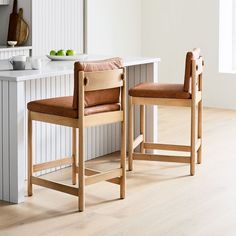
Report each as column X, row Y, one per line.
column 55, row 79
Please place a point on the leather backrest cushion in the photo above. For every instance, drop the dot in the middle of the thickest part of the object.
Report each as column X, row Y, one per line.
column 192, row 55
column 99, row 97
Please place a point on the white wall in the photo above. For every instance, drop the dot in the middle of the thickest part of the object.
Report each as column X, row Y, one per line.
column 170, row 28
column 226, row 36
column 57, row 25
column 114, row 27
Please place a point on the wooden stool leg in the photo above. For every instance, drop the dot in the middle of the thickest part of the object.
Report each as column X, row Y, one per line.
column 30, row 159
column 123, row 161
column 200, row 108
column 193, row 139
column 81, row 171
column 74, row 156
column 142, row 127
column 131, row 134
column 123, row 143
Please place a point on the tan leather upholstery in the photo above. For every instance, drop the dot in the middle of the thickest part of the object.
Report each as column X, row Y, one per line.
column 62, row 106
column 178, row 91
column 156, row 90
column 100, row 97
column 193, row 55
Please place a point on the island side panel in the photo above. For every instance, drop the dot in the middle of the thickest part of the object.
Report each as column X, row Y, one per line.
column 17, row 141
column 5, row 142
column 152, row 111
column 12, row 156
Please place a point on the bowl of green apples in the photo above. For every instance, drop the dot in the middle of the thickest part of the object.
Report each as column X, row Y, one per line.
column 65, row 55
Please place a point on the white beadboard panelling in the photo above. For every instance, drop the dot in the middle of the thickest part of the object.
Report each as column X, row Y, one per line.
column 51, row 142
column 1, row 141
column 4, row 2
column 57, row 25
column 6, row 54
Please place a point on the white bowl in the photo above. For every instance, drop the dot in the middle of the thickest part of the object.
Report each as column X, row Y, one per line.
column 76, row 57
column 12, row 43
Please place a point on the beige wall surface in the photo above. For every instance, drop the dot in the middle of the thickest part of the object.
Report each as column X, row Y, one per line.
column 114, row 27
column 170, row 28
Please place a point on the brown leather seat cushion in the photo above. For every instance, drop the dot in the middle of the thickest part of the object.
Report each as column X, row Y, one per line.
column 100, row 97
column 156, row 90
column 178, row 91
column 62, row 106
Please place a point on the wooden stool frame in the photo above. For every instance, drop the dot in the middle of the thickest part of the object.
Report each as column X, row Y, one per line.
column 88, row 81
column 195, row 103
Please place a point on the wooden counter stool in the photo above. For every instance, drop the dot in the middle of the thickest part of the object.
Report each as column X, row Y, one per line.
column 99, row 99
column 188, row 94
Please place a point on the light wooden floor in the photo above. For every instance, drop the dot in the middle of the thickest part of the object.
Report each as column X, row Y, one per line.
column 162, row 199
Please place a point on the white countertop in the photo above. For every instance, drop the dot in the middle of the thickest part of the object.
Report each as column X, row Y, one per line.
column 53, row 68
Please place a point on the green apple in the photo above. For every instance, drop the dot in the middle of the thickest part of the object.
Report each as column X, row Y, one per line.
column 53, row 53
column 70, row 52
column 61, row 53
